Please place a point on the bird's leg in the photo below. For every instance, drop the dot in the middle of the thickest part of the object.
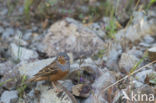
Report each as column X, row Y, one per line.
column 57, row 89
column 49, row 82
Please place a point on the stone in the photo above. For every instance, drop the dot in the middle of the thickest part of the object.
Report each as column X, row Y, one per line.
column 137, row 52
column 18, row 39
column 137, row 84
column 9, row 96
column 5, row 67
column 83, row 75
column 152, row 53
column 27, row 36
column 113, row 56
column 22, row 53
column 140, row 76
column 68, row 85
column 32, row 68
column 136, row 31
column 123, row 9
column 127, row 62
column 7, row 33
column 71, row 36
column 4, row 11
column 138, row 15
column 96, row 27
column 148, row 39
column 143, row 44
column 81, row 90
column 9, row 75
column 105, row 79
column 1, row 29
column 50, row 96
column 10, row 79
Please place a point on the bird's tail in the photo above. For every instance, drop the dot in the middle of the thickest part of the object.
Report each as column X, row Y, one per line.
column 31, row 80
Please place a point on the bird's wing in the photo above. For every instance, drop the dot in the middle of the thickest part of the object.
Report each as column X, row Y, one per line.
column 48, row 70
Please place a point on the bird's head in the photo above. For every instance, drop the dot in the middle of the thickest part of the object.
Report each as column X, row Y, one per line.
column 63, row 60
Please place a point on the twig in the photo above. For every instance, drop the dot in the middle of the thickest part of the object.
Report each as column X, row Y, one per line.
column 126, row 76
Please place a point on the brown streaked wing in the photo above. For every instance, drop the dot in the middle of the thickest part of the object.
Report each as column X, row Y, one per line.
column 48, row 70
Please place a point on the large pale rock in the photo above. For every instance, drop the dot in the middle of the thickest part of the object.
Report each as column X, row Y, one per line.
column 127, row 61
column 71, row 36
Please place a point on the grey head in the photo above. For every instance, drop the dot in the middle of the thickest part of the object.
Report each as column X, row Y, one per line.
column 63, row 61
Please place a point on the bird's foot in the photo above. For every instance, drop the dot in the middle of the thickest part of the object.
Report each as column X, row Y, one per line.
column 57, row 90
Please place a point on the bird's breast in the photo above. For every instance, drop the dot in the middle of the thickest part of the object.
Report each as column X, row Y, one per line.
column 59, row 75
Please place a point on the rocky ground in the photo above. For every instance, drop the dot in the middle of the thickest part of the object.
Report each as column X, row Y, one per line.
column 97, row 61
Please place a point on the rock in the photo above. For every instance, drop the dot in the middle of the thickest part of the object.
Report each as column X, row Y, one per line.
column 9, row 75
column 70, row 35
column 152, row 53
column 135, row 51
column 27, row 36
column 111, row 60
column 126, row 62
column 148, row 39
column 142, row 75
column 106, row 21
column 4, row 12
column 18, row 39
column 88, row 61
column 22, row 53
column 143, row 44
column 10, row 79
column 123, row 9
column 50, row 96
column 106, row 79
column 5, row 67
column 31, row 97
column 32, row 68
column 81, row 90
column 138, row 15
column 9, row 97
column 96, row 27
column 151, row 78
column 137, row 84
column 1, row 29
column 68, row 85
column 7, row 33
column 84, row 75
column 136, row 31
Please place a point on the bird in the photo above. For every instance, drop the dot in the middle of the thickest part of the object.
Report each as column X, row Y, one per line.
column 55, row 71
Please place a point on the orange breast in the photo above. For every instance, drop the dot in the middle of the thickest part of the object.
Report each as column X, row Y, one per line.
column 58, row 76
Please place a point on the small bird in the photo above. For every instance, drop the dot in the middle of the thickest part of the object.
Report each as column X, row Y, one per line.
column 57, row 70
